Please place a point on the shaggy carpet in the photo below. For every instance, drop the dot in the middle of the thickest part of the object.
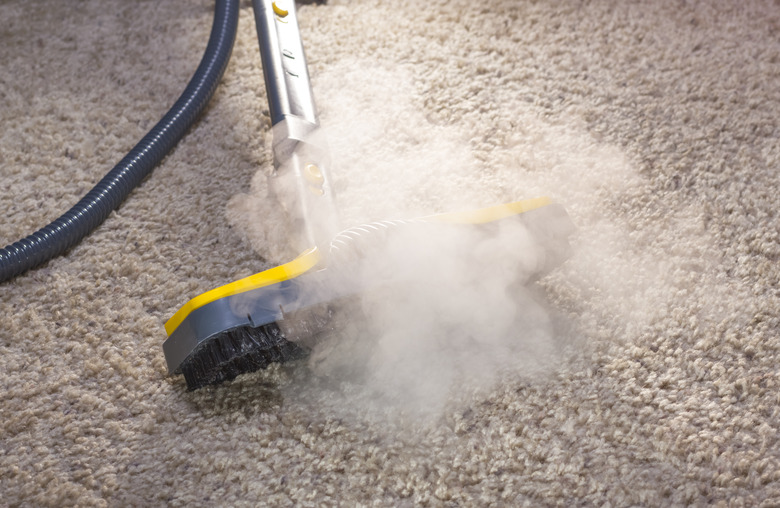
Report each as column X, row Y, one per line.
column 647, row 367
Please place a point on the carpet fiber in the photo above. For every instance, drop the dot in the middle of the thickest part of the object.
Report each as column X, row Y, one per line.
column 655, row 124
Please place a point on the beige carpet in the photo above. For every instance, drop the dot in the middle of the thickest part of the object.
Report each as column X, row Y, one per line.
column 656, row 124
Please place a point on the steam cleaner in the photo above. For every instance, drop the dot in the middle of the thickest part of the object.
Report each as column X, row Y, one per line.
column 268, row 317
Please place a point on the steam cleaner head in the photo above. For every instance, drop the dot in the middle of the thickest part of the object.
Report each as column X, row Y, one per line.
column 267, row 318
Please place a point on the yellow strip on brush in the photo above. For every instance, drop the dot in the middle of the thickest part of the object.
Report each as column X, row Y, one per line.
column 490, row 213
column 274, row 275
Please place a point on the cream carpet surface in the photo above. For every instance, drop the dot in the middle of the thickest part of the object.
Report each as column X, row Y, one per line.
column 655, row 382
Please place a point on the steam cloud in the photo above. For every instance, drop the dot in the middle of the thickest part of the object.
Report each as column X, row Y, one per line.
column 445, row 308
column 448, row 308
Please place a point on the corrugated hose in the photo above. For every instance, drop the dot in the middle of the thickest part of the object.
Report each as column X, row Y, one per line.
column 113, row 189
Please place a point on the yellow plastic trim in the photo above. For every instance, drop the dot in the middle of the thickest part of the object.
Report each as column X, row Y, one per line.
column 491, row 213
column 277, row 274
column 311, row 257
column 278, row 10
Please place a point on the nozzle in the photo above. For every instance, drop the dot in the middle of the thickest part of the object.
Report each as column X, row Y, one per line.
column 301, row 183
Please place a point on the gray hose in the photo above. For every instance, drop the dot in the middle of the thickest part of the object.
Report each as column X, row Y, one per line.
column 112, row 190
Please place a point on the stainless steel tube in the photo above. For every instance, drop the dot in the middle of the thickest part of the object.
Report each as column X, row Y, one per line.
column 301, row 181
column 284, row 63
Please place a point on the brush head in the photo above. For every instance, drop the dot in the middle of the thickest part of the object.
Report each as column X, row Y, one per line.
column 279, row 314
column 241, row 350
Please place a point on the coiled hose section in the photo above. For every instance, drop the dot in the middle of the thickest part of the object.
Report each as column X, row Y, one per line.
column 114, row 188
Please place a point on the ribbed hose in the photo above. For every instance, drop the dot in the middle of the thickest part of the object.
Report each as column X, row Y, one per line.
column 112, row 190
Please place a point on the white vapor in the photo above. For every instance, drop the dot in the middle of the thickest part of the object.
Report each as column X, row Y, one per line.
column 447, row 309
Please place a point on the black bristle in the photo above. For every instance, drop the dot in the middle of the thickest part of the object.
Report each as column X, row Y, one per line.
column 224, row 356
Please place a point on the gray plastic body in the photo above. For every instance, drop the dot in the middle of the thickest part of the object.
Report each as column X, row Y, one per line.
column 253, row 308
